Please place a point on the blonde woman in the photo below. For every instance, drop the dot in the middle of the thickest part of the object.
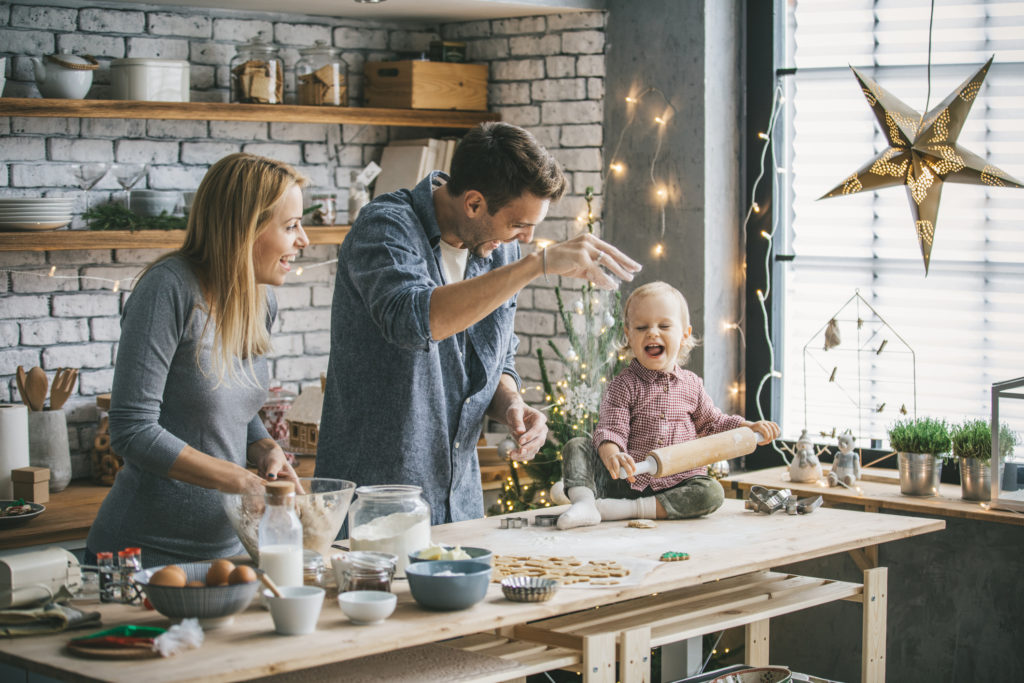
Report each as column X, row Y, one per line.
column 191, row 370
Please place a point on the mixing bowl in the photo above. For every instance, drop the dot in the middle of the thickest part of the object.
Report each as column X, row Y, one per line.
column 448, row 584
column 321, row 509
column 212, row 605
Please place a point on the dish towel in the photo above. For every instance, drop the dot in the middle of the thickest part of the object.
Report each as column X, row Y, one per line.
column 52, row 616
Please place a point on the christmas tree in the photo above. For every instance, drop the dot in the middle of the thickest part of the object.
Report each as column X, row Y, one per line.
column 592, row 327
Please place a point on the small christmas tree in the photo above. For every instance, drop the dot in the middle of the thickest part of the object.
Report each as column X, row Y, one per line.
column 592, row 327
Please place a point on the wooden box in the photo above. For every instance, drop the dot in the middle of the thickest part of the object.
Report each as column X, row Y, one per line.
column 31, row 475
column 417, row 84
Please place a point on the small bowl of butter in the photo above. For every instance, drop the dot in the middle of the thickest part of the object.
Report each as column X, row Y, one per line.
column 437, row 551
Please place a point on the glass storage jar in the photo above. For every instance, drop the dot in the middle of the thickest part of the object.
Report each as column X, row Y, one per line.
column 361, row 570
column 321, row 76
column 390, row 518
column 314, row 572
column 257, row 73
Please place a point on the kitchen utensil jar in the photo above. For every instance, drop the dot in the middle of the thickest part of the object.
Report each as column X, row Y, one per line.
column 321, row 76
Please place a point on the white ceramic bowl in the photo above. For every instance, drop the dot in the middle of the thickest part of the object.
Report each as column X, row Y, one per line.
column 367, row 607
column 152, row 202
column 295, row 613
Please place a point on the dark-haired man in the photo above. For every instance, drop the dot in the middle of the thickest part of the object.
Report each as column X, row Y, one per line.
column 422, row 339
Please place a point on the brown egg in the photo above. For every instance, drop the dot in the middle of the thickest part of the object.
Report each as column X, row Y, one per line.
column 242, row 574
column 195, row 584
column 167, row 577
column 218, row 573
column 178, row 570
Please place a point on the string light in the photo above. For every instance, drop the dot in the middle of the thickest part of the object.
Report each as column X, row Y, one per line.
column 659, row 250
column 617, row 167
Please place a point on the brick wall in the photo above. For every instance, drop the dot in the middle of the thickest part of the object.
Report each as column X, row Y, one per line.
column 547, row 74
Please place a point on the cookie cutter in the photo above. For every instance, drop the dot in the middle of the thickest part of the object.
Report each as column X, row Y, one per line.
column 514, row 522
column 545, row 520
column 767, row 500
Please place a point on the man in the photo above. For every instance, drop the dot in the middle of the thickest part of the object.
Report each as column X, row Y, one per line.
column 422, row 340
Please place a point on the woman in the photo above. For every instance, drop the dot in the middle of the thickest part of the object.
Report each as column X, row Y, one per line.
column 191, row 372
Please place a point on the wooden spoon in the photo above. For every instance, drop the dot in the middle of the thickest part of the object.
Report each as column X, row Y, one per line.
column 269, row 583
column 21, row 386
column 63, row 385
column 36, row 384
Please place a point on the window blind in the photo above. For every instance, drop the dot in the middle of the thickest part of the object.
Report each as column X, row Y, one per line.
column 948, row 336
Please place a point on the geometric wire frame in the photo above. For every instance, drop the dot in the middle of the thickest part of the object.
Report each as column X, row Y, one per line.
column 1001, row 499
column 833, row 367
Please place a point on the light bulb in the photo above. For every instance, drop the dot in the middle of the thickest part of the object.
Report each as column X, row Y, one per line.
column 617, row 167
column 659, row 120
column 756, row 207
column 764, row 234
column 659, row 249
column 53, row 269
column 763, row 136
column 117, row 285
column 298, row 271
column 630, row 99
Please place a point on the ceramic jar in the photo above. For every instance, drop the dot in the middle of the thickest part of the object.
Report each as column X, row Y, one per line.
column 64, row 76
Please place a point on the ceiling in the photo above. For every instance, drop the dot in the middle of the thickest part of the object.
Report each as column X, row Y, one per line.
column 402, row 10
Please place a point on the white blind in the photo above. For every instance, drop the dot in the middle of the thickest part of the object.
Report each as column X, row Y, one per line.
column 964, row 322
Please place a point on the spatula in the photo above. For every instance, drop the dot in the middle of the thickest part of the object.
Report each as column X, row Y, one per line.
column 63, row 385
column 36, row 384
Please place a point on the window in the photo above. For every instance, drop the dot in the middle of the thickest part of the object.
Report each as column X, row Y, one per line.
column 858, row 255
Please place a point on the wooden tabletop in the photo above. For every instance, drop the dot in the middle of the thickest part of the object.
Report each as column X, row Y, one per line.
column 730, row 542
column 878, row 489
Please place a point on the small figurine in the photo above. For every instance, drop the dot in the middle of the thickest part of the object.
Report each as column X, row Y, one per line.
column 805, row 465
column 846, row 465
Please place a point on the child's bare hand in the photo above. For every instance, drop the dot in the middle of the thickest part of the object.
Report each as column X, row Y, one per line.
column 767, row 429
column 616, row 461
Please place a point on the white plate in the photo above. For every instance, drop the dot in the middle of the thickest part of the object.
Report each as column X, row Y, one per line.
column 32, row 225
column 35, row 216
column 37, row 202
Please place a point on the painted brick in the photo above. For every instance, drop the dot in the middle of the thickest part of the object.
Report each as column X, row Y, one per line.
column 5, row 125
column 113, row 128
column 202, row 77
column 146, row 152
column 36, row 281
column 544, row 299
column 487, row 49
column 318, row 175
column 323, row 296
column 92, row 382
column 192, row 26
column 5, row 15
column 292, row 297
column 71, row 149
column 164, row 48
column 590, row 65
column 585, row 111
column 85, row 305
column 315, row 153
column 13, row 259
column 531, row 322
column 411, row 41
column 3, row 173
column 519, row 116
column 291, row 154
column 213, row 54
column 360, row 38
column 467, row 29
column 105, row 329
column 81, row 411
column 317, row 253
column 241, row 30
column 523, row 25
column 40, row 18
column 206, row 152
column 587, row 135
column 176, row 177
column 109, row 47
column 595, row 88
column 79, row 256
column 286, row 345
column 238, row 130
column 301, row 35
column 547, row 136
column 137, row 256
column 304, row 321
column 535, row 45
column 363, row 135
column 21, row 125
column 40, row 175
column 9, row 334
column 312, row 132
column 27, row 42
column 52, row 331
column 77, row 356
column 560, row 66
column 576, row 20
column 22, row 149
column 166, row 128
column 125, row 274
column 10, row 359
column 581, row 181
column 318, row 342
column 517, row 70
column 559, row 89
column 508, row 93
column 303, row 367
column 111, row 21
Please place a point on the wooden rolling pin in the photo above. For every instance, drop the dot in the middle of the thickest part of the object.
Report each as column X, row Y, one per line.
column 690, row 455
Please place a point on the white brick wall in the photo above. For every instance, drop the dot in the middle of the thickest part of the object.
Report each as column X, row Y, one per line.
column 546, row 73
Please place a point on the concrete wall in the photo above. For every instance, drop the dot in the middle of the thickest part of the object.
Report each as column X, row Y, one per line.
column 546, row 74
column 696, row 157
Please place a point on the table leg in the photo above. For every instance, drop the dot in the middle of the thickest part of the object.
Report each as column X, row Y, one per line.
column 635, row 655
column 599, row 658
column 757, row 643
column 865, row 558
column 872, row 666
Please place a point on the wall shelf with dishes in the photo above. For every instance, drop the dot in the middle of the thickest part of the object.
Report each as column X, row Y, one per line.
column 66, row 240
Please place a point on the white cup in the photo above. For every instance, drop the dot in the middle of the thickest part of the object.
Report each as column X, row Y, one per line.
column 296, row 612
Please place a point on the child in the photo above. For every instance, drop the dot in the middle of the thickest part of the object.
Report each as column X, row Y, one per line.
column 650, row 404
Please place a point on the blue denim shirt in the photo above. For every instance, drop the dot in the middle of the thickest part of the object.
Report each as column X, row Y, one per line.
column 400, row 408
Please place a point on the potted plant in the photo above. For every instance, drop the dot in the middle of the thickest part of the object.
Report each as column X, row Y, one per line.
column 921, row 445
column 972, row 443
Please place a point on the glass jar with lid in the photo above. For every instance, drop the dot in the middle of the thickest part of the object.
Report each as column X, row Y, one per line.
column 391, row 519
column 314, row 572
column 257, row 73
column 363, row 570
column 321, row 76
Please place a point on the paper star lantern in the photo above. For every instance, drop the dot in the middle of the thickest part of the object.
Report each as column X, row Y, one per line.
column 923, row 154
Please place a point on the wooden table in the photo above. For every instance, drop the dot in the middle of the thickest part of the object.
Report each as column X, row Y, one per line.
column 731, row 543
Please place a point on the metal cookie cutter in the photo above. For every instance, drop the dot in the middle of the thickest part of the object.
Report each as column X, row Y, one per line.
column 767, row 500
column 545, row 520
column 514, row 522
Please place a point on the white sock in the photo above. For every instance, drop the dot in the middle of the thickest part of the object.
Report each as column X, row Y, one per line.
column 557, row 493
column 623, row 508
column 582, row 511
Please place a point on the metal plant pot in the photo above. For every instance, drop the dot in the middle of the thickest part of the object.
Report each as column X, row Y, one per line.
column 975, row 479
column 919, row 474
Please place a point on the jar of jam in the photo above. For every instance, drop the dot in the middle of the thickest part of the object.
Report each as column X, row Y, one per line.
column 364, row 570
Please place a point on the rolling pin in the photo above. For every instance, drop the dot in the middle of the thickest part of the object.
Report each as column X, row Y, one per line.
column 690, row 455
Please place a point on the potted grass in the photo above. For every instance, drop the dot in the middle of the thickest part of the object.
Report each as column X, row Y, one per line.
column 972, row 444
column 921, row 445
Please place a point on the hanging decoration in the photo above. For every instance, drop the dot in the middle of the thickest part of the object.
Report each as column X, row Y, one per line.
column 923, row 153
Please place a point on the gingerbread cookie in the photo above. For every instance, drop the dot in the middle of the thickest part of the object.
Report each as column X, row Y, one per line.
column 674, row 556
column 642, row 524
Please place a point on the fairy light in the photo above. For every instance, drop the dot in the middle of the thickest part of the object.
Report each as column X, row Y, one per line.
column 298, row 271
column 659, row 250
column 763, row 136
column 756, row 207
column 53, row 269
column 617, row 167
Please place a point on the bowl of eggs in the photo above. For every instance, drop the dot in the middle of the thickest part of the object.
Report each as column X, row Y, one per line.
column 212, row 592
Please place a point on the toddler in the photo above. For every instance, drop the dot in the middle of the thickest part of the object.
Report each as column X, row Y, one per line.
column 651, row 404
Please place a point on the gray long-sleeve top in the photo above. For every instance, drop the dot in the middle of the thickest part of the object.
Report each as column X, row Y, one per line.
column 162, row 400
column 399, row 407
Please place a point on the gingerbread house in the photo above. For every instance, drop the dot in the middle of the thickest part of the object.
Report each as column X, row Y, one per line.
column 303, row 419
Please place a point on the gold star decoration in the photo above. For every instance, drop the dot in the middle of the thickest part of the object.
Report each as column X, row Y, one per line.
column 923, row 153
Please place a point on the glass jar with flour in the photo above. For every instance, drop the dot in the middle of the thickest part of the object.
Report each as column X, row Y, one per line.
column 390, row 519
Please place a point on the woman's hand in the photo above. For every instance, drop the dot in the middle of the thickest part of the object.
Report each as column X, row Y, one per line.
column 768, row 430
column 271, row 462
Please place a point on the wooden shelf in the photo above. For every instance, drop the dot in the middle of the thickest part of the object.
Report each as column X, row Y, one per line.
column 66, row 240
column 221, row 111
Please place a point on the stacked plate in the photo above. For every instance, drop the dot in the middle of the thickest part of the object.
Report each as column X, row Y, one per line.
column 35, row 213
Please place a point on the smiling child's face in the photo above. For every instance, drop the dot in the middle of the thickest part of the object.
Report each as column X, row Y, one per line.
column 656, row 330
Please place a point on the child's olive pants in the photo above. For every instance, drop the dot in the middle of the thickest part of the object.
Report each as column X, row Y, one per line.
column 693, row 497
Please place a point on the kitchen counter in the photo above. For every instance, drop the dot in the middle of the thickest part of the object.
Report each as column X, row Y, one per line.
column 729, row 545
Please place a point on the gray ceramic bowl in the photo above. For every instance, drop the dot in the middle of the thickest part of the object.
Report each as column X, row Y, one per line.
column 448, row 584
column 210, row 604
column 153, row 202
column 479, row 554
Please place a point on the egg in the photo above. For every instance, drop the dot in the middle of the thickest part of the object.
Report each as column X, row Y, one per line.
column 242, row 574
column 219, row 571
column 195, row 584
column 167, row 577
column 178, row 570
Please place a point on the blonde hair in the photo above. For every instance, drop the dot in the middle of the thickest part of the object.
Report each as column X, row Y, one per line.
column 232, row 207
column 652, row 289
